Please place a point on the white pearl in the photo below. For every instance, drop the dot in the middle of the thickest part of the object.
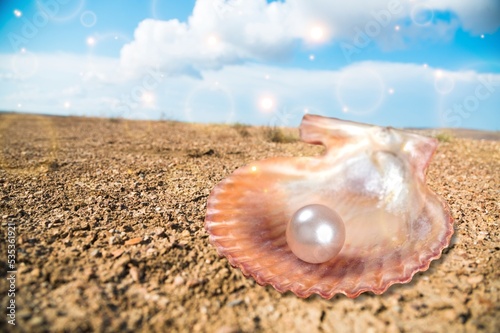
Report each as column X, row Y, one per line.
column 315, row 233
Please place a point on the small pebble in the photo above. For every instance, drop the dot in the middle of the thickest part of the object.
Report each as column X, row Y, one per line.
column 134, row 241
column 235, row 302
column 113, row 240
column 134, row 273
column 178, row 280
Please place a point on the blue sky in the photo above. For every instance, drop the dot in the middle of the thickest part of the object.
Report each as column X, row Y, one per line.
column 396, row 63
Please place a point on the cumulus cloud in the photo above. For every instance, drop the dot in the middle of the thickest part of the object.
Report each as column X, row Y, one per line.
column 224, row 32
column 218, row 33
column 477, row 17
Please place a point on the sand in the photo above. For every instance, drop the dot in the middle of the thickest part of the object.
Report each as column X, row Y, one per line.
column 110, row 236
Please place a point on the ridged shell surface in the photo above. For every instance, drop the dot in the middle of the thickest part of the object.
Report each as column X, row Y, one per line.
column 373, row 177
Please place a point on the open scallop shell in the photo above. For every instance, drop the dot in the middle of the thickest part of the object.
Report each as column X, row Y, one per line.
column 373, row 177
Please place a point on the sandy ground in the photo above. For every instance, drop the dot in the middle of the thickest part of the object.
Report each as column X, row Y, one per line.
column 110, row 235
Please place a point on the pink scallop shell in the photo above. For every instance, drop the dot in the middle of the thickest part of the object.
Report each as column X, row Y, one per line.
column 373, row 177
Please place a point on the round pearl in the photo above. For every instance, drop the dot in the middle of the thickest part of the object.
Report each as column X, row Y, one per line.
column 315, row 234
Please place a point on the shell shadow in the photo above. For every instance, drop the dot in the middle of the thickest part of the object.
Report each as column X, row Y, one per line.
column 395, row 289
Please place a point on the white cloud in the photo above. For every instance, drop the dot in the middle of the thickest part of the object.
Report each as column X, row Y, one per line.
column 220, row 33
column 396, row 94
column 477, row 17
column 211, row 38
column 55, row 79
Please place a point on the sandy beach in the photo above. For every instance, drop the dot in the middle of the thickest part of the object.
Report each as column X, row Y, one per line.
column 109, row 233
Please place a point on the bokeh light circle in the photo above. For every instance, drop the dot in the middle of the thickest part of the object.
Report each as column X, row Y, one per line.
column 360, row 91
column 138, row 123
column 422, row 15
column 24, row 64
column 267, row 103
column 292, row 116
column 61, row 10
column 444, row 83
column 88, row 19
column 107, row 40
column 210, row 103
column 156, row 11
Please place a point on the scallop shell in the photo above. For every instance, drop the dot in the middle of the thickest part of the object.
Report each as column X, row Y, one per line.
column 373, row 177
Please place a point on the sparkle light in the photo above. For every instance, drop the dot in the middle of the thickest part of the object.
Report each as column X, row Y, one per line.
column 482, row 36
column 23, row 50
column 391, row 91
column 266, row 103
column 91, row 41
column 345, row 109
column 18, row 13
column 312, row 57
column 67, row 105
column 425, row 65
column 254, row 168
column 317, row 33
column 212, row 40
column 397, row 27
column 148, row 98
column 267, row 77
column 306, row 110
column 443, row 82
column 19, row 105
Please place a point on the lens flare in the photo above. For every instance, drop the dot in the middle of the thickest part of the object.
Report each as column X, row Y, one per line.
column 266, row 103
column 148, row 98
column 443, row 82
column 212, row 40
column 317, row 33
column 91, row 41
